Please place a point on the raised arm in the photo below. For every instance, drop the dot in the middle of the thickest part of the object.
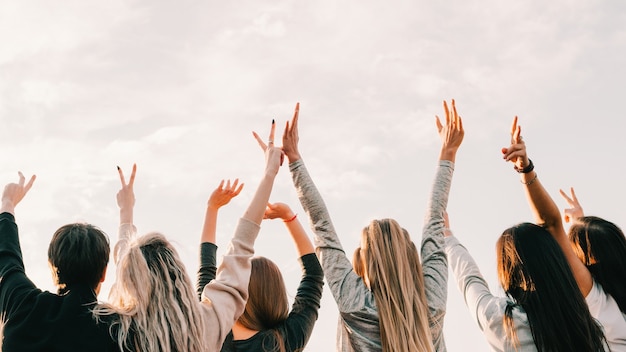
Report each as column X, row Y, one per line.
column 337, row 268
column 301, row 320
column 434, row 260
column 126, row 203
column 208, row 250
column 15, row 287
column 544, row 208
column 220, row 197
column 225, row 297
column 576, row 210
column 299, row 236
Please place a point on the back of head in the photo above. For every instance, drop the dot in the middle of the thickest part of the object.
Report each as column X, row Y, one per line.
column 267, row 304
column 534, row 272
column 601, row 246
column 155, row 299
column 78, row 254
column 391, row 265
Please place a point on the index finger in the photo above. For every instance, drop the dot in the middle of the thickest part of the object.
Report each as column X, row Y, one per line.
column 30, row 183
column 259, row 140
column 564, row 195
column 573, row 194
column 21, row 182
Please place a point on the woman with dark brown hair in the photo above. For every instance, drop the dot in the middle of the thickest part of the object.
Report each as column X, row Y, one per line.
column 267, row 324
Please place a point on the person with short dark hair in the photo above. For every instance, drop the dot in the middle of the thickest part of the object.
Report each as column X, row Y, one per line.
column 34, row 320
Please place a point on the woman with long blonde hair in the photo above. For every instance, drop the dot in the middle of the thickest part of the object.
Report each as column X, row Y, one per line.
column 152, row 304
column 388, row 300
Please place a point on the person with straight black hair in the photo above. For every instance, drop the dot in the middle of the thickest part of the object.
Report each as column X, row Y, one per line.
column 544, row 309
column 601, row 246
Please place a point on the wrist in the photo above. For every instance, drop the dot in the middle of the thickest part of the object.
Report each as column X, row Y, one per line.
column 525, row 169
column 447, row 154
column 290, row 218
column 293, row 157
column 7, row 207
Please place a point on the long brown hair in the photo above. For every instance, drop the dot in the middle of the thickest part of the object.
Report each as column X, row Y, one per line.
column 391, row 265
column 267, row 305
column 534, row 273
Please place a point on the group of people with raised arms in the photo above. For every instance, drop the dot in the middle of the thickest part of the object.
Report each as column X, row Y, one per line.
column 563, row 293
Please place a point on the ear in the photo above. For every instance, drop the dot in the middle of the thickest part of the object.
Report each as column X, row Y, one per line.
column 104, row 274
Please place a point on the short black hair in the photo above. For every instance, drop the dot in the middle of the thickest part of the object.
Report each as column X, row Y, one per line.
column 78, row 254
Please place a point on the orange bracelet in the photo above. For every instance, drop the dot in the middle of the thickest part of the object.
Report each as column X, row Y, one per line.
column 292, row 219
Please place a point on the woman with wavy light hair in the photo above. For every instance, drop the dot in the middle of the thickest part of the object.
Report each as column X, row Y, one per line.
column 388, row 300
column 153, row 305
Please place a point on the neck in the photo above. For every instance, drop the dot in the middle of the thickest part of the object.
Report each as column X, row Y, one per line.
column 241, row 332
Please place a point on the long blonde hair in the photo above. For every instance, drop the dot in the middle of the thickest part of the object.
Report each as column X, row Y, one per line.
column 391, row 265
column 153, row 301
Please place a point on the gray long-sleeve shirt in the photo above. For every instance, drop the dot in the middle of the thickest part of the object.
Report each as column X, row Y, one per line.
column 359, row 324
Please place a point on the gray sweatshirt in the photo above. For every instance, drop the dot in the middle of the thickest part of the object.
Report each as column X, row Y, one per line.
column 358, row 328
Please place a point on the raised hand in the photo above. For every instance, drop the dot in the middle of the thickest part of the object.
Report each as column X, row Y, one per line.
column 576, row 210
column 278, row 211
column 290, row 137
column 126, row 196
column 273, row 155
column 299, row 236
column 516, row 152
column 14, row 193
column 222, row 195
column 451, row 134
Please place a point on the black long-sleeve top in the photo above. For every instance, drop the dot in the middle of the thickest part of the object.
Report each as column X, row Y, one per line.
column 34, row 320
column 298, row 327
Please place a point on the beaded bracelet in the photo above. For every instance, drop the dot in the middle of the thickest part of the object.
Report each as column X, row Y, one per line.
column 530, row 167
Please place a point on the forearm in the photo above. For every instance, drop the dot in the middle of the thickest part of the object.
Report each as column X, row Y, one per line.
column 208, row 268
column 300, row 238
column 544, row 209
column 209, row 229
column 126, row 215
column 126, row 233
column 257, row 206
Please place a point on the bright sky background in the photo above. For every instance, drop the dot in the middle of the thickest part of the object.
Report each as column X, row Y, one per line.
column 177, row 87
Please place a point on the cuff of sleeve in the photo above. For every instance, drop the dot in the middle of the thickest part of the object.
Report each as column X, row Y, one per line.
column 296, row 164
column 7, row 215
column 310, row 264
column 208, row 251
column 127, row 230
column 247, row 230
column 446, row 163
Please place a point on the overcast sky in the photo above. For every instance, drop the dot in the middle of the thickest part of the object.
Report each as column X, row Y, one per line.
column 178, row 86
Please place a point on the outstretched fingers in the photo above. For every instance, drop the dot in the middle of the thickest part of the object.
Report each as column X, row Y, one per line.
column 22, row 180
